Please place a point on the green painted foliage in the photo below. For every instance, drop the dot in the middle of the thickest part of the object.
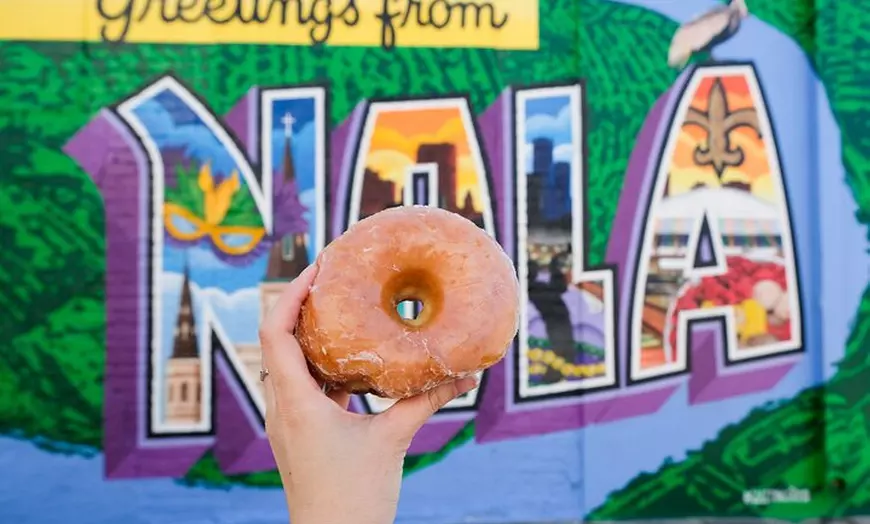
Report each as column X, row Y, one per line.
column 187, row 194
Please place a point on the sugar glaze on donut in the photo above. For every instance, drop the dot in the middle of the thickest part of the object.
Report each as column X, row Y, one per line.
column 349, row 327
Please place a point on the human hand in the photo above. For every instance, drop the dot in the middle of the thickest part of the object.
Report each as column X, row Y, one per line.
column 336, row 466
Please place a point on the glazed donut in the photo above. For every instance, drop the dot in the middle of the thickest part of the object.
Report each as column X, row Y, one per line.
column 349, row 327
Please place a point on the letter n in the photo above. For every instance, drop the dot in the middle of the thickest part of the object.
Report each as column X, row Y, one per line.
column 714, row 289
column 207, row 219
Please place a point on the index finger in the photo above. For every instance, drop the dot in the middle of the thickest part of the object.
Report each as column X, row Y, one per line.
column 282, row 318
column 282, row 357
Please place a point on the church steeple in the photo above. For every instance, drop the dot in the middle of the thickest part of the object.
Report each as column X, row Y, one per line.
column 288, row 167
column 183, row 394
column 184, row 343
column 288, row 255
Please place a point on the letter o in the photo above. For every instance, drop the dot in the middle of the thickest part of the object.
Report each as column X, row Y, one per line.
column 447, row 12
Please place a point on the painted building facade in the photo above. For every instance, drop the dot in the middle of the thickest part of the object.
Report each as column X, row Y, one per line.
column 690, row 240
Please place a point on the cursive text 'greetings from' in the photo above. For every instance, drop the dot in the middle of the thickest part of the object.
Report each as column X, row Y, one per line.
column 374, row 23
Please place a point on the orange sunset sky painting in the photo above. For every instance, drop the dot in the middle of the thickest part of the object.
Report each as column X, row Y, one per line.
column 398, row 134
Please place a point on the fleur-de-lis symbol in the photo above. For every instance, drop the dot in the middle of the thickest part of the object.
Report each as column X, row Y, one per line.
column 718, row 122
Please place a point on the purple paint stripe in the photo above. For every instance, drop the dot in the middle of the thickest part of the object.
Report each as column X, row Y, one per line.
column 93, row 147
column 712, row 380
column 241, row 445
column 540, row 422
column 641, row 400
column 436, row 434
column 498, row 144
column 343, row 142
column 492, row 127
column 242, row 121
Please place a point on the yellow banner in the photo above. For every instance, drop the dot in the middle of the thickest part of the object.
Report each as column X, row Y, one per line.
column 494, row 24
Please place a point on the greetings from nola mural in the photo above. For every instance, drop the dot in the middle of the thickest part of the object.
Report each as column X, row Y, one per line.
column 211, row 215
column 656, row 215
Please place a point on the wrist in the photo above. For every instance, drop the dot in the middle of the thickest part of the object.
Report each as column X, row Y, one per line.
column 331, row 517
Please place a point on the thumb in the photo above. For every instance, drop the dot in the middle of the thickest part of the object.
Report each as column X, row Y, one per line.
column 404, row 418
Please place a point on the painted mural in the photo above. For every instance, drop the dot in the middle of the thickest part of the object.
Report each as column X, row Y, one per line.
column 683, row 187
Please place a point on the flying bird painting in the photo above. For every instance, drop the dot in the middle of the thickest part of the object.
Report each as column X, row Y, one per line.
column 706, row 32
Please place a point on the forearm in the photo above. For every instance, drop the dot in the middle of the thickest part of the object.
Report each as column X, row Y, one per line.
column 358, row 504
column 338, row 512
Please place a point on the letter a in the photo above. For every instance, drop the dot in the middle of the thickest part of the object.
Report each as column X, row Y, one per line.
column 717, row 240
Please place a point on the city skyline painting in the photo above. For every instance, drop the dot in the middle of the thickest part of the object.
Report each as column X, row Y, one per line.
column 428, row 147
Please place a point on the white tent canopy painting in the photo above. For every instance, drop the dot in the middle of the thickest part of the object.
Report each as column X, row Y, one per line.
column 738, row 212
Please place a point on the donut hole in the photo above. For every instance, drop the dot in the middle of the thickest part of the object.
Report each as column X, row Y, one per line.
column 413, row 296
column 410, row 309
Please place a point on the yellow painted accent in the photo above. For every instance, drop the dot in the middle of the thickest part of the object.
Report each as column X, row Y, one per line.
column 493, row 24
column 538, row 369
column 217, row 232
column 217, row 198
column 559, row 364
column 755, row 322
